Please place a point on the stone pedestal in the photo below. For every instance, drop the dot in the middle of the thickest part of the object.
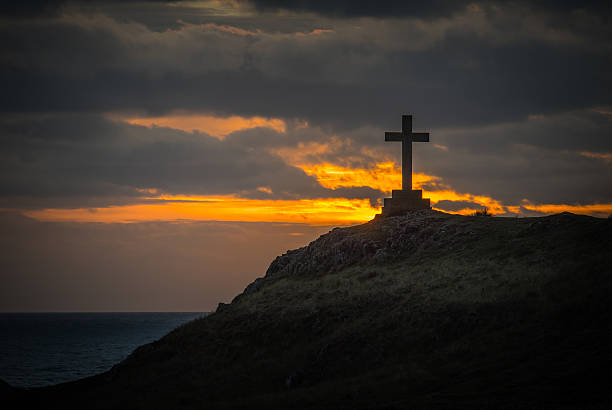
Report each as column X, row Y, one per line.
column 402, row 201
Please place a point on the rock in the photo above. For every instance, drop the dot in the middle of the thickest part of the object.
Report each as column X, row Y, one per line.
column 370, row 243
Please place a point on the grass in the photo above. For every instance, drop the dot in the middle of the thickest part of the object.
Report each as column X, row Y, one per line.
column 483, row 212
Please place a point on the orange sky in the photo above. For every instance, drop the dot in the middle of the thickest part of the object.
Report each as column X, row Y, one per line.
column 221, row 208
column 385, row 175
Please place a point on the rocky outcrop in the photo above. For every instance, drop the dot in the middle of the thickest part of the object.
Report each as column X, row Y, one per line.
column 375, row 242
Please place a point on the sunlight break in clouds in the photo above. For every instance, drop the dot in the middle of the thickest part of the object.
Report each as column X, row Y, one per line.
column 329, row 163
column 386, row 176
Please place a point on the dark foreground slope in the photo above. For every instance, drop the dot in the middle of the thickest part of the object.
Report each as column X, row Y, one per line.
column 426, row 310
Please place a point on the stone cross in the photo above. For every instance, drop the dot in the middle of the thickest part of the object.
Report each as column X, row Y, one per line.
column 407, row 137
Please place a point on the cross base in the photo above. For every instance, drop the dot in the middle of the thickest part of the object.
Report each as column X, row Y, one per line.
column 402, row 201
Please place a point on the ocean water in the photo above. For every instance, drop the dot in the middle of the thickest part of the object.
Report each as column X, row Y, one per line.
column 40, row 349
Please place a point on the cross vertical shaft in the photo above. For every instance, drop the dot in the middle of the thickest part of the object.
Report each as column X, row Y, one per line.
column 406, row 152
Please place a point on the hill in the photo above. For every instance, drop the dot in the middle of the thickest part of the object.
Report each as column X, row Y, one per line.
column 426, row 310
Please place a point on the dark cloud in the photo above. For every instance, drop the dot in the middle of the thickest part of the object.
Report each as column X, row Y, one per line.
column 450, row 73
column 36, row 8
column 543, row 159
column 83, row 156
column 454, row 206
column 333, row 8
column 399, row 8
column 476, row 79
column 584, row 130
column 29, row 8
column 363, row 8
column 565, row 5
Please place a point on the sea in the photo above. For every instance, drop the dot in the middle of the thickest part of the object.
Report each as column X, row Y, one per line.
column 42, row 349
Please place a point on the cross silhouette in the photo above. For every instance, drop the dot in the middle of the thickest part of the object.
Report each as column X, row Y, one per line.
column 407, row 137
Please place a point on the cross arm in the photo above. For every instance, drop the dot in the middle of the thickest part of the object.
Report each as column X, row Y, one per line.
column 393, row 136
column 420, row 137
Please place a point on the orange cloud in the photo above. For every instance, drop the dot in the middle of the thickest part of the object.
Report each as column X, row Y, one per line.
column 265, row 189
column 228, row 29
column 327, row 211
column 604, row 156
column 218, row 127
column 315, row 32
column 306, row 153
column 385, row 177
column 441, row 147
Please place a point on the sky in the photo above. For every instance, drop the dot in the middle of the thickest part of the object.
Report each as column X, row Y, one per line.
column 157, row 155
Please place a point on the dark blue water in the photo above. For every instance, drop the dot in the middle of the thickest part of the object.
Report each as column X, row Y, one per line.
column 39, row 349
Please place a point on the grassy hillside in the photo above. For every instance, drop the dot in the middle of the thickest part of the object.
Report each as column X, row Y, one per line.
column 426, row 310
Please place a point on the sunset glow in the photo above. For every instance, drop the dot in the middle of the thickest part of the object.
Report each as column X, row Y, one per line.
column 385, row 176
column 325, row 211
column 226, row 208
